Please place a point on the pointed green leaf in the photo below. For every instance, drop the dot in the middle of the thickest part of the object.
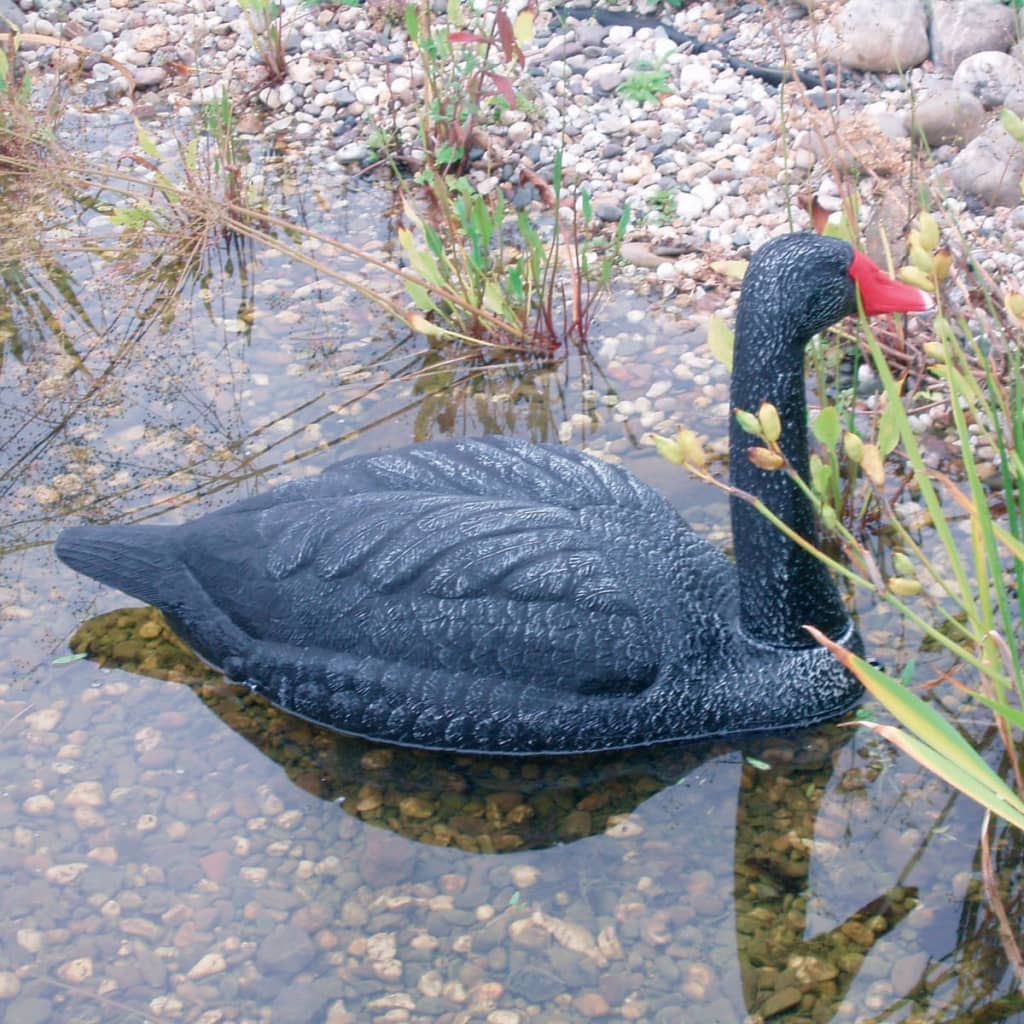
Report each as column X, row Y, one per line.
column 984, row 791
column 146, row 143
column 67, row 659
column 889, row 426
column 920, row 717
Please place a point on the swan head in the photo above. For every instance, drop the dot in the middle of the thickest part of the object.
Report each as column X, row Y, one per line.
column 806, row 282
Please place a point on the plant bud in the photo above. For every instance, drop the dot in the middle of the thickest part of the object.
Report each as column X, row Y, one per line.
column 921, row 259
column 771, row 426
column 928, row 231
column 669, row 448
column 903, row 565
column 748, row 422
column 917, row 278
column 693, row 451
column 765, row 458
column 903, row 587
column 943, row 263
column 853, row 446
column 1014, row 303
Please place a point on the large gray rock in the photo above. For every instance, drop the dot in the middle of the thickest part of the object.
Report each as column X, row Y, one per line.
column 991, row 76
column 946, row 115
column 991, row 167
column 960, row 29
column 10, row 15
column 881, row 35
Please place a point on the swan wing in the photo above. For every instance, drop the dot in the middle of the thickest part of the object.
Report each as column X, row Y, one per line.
column 410, row 559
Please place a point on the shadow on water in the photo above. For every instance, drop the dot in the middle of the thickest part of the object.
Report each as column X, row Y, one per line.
column 640, row 829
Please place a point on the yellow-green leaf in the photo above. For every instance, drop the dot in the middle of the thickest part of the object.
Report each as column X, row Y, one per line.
column 889, row 426
column 736, row 269
column 522, row 27
column 720, row 340
column 928, row 726
column 826, row 427
column 872, row 463
column 853, row 446
column 952, row 772
column 146, row 143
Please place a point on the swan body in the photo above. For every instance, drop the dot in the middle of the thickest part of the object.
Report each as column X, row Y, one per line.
column 494, row 595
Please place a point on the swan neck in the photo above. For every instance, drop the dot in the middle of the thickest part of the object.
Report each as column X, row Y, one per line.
column 782, row 588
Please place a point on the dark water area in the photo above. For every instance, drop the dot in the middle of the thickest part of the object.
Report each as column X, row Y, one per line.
column 174, row 848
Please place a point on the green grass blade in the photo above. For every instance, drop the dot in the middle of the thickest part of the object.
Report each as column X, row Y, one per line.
column 1011, row 810
column 919, row 717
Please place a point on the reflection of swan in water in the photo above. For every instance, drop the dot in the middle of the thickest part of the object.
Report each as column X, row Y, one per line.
column 646, row 828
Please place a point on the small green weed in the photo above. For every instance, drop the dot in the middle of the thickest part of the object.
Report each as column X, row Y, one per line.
column 265, row 23
column 646, row 84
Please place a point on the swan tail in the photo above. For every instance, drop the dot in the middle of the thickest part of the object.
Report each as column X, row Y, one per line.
column 139, row 560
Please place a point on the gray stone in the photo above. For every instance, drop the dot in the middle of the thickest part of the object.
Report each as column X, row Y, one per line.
column 286, row 950
column 10, row 13
column 991, row 76
column 607, row 211
column 94, row 40
column 149, row 78
column 304, row 1004
column 28, row 1010
column 947, row 115
column 590, row 33
column 961, row 29
column 991, row 167
column 881, row 35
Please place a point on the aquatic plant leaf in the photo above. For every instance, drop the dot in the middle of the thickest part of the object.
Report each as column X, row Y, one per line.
column 826, row 427
column 720, row 340
column 889, row 427
column 1013, row 715
column 146, row 143
column 873, row 464
column 736, row 269
column 1013, row 123
column 67, row 659
column 420, row 296
column 950, row 771
column 523, row 27
column 930, row 730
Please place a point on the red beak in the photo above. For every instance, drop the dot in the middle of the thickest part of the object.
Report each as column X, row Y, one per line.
column 881, row 294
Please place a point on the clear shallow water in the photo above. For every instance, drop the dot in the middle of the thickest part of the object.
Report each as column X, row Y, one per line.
column 172, row 848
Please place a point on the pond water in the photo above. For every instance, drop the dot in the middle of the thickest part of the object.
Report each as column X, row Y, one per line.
column 172, row 848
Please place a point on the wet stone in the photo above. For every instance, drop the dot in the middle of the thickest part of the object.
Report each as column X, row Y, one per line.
column 286, row 950
column 28, row 1010
column 304, row 1003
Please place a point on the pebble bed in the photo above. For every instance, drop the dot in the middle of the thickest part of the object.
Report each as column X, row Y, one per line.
column 185, row 853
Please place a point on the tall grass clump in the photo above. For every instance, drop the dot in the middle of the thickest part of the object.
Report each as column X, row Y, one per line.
column 488, row 275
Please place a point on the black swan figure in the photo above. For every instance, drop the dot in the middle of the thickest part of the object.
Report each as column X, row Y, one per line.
column 497, row 596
